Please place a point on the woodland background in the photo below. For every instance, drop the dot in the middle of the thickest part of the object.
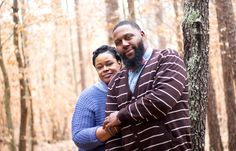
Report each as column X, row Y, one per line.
column 45, row 60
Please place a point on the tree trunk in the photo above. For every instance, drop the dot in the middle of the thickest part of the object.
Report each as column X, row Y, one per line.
column 229, row 25
column 196, row 47
column 33, row 140
column 131, row 8
column 55, row 50
column 81, row 60
column 23, row 87
column 227, row 40
column 159, row 22
column 123, row 9
column 28, row 91
column 7, row 100
column 112, row 17
column 72, row 52
column 178, row 28
column 213, row 122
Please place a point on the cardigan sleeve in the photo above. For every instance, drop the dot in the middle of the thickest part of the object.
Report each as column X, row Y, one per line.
column 169, row 84
column 83, row 129
column 114, row 143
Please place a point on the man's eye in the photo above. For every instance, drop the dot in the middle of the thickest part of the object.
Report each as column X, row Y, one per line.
column 128, row 37
column 118, row 42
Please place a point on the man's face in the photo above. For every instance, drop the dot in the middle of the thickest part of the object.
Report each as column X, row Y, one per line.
column 129, row 44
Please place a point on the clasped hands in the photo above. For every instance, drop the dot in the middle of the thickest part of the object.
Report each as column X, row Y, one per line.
column 111, row 123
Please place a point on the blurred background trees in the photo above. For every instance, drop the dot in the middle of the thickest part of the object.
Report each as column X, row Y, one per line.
column 45, row 62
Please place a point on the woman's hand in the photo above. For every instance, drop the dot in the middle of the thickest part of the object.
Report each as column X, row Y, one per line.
column 111, row 122
column 104, row 135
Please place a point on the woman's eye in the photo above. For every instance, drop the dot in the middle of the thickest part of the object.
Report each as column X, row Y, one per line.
column 99, row 67
column 109, row 64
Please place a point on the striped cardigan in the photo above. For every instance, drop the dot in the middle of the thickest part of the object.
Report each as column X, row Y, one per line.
column 156, row 115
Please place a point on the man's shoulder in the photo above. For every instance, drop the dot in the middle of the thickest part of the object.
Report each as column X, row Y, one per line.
column 166, row 51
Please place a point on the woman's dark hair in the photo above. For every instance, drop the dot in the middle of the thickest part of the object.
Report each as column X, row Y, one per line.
column 105, row 48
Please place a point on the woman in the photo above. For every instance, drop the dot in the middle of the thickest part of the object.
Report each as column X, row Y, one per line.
column 89, row 112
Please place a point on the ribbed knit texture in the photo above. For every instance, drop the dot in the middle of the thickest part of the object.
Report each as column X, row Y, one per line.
column 88, row 115
column 155, row 117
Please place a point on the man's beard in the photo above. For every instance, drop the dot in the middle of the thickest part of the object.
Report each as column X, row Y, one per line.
column 135, row 62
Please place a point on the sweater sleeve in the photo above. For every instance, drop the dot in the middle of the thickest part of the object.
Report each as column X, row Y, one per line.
column 83, row 127
column 169, row 84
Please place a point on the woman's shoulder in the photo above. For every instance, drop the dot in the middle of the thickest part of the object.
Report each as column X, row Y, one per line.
column 89, row 91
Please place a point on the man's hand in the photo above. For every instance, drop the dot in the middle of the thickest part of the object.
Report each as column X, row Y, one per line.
column 111, row 121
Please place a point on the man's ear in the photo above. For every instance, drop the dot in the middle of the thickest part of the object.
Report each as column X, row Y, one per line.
column 142, row 33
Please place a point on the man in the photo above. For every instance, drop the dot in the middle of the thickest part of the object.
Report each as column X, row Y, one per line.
column 149, row 97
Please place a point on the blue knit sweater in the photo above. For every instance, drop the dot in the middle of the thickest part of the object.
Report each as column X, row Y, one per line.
column 88, row 115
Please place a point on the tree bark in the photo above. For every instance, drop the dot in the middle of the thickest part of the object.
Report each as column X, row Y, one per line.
column 80, row 51
column 227, row 23
column 227, row 40
column 7, row 100
column 131, row 8
column 123, row 9
column 72, row 52
column 213, row 122
column 159, row 22
column 196, row 48
column 27, row 81
column 23, row 87
column 178, row 28
column 112, row 17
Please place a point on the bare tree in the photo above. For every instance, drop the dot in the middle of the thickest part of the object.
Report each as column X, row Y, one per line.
column 123, row 9
column 81, row 60
column 227, row 39
column 25, row 94
column 7, row 98
column 131, row 8
column 26, row 65
column 72, row 52
column 159, row 21
column 178, row 28
column 112, row 17
column 196, row 47
column 213, row 122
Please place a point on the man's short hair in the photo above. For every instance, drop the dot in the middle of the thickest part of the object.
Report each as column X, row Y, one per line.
column 127, row 22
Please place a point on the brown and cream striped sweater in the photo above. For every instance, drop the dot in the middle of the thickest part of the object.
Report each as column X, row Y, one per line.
column 155, row 117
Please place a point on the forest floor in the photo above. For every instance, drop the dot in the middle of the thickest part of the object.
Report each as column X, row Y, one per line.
column 66, row 145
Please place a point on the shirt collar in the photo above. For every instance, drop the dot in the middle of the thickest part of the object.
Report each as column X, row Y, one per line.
column 101, row 86
column 147, row 54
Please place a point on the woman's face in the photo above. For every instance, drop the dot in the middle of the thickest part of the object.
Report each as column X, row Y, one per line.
column 106, row 66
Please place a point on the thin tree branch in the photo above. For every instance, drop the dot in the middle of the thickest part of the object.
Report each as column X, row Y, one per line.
column 7, row 39
column 1, row 4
